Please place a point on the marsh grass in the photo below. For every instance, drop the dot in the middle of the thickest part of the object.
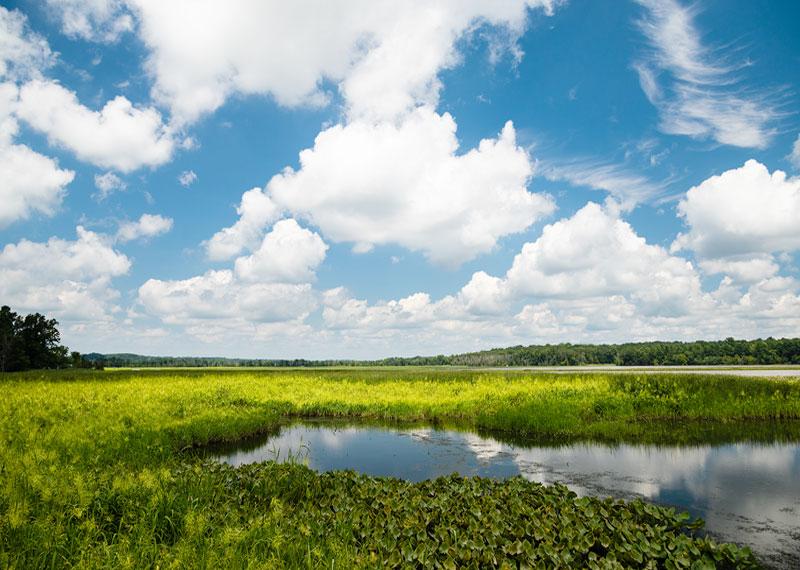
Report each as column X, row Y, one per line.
column 95, row 468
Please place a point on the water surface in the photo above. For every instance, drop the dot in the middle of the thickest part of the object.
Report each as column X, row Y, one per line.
column 754, row 371
column 748, row 493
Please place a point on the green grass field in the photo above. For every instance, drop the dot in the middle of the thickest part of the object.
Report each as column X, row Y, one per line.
column 96, row 469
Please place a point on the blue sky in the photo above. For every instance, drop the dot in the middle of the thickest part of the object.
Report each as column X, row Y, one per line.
column 472, row 174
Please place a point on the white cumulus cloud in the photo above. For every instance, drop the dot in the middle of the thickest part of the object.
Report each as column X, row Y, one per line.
column 119, row 136
column 748, row 269
column 217, row 296
column 586, row 276
column 384, row 56
column 147, row 226
column 107, row 184
column 29, row 182
column 374, row 184
column 597, row 254
column 288, row 254
column 745, row 211
column 69, row 279
column 271, row 286
column 256, row 211
column 392, row 172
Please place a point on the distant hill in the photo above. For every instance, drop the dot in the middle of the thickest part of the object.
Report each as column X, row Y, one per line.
column 728, row 351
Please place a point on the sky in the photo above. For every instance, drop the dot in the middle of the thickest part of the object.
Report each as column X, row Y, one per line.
column 366, row 178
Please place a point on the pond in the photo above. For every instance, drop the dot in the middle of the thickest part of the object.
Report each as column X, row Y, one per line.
column 748, row 493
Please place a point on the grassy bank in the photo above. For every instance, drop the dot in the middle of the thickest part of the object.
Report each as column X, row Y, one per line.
column 93, row 473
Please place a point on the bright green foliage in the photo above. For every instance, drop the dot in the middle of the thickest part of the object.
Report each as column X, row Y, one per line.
column 95, row 469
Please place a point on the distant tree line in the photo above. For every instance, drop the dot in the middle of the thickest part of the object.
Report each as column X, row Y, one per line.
column 127, row 360
column 728, row 351
column 34, row 342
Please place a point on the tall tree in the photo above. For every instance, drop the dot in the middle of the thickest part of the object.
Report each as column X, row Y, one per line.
column 9, row 322
column 29, row 342
column 41, row 341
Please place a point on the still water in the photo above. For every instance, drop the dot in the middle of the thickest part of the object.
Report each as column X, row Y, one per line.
column 748, row 493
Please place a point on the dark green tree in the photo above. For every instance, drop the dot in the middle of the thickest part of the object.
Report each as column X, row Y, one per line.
column 42, row 342
column 9, row 346
column 76, row 360
column 29, row 342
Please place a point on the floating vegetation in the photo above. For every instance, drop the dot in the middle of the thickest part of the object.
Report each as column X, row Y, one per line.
column 457, row 522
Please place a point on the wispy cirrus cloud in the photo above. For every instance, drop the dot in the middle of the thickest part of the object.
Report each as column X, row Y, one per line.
column 187, row 178
column 794, row 156
column 626, row 185
column 698, row 92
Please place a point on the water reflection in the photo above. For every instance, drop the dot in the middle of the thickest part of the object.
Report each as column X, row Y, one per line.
column 748, row 493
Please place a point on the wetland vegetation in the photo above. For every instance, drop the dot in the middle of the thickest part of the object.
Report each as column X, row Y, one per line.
column 97, row 469
column 745, row 490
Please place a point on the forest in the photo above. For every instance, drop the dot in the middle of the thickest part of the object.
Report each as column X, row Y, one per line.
column 723, row 352
column 768, row 351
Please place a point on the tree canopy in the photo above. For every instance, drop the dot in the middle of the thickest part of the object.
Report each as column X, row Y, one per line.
column 30, row 342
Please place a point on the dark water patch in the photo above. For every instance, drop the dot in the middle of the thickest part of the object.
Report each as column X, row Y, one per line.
column 747, row 492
